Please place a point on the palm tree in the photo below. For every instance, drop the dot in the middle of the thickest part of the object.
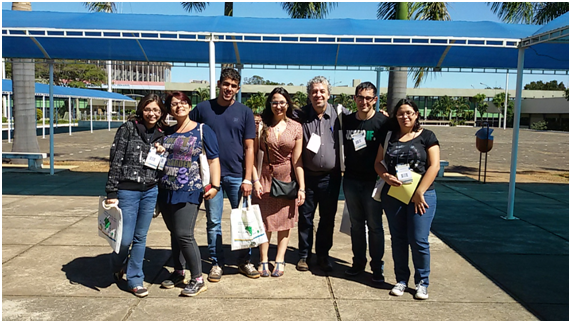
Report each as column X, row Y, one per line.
column 294, row 9
column 299, row 99
column 405, row 11
column 23, row 85
column 499, row 101
column 257, row 102
column 536, row 13
column 481, row 107
column 346, row 101
column 460, row 108
column 101, row 6
column 443, row 106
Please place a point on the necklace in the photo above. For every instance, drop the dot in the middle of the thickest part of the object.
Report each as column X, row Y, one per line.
column 181, row 128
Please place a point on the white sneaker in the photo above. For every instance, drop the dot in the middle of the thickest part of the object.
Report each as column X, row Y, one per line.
column 421, row 292
column 398, row 289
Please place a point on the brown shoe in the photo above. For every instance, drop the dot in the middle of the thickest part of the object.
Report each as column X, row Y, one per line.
column 302, row 265
column 215, row 274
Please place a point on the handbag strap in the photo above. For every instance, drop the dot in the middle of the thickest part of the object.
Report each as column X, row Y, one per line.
column 268, row 155
column 202, row 139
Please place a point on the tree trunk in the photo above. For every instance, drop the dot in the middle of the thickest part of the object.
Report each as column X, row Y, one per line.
column 396, row 88
column 23, row 86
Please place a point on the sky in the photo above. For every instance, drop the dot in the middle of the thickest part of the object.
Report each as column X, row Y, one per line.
column 459, row 11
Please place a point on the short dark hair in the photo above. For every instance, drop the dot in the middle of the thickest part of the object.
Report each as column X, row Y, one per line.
column 366, row 86
column 393, row 122
column 146, row 100
column 267, row 115
column 230, row 73
column 179, row 95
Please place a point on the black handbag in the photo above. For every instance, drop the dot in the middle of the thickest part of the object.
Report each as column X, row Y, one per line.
column 281, row 189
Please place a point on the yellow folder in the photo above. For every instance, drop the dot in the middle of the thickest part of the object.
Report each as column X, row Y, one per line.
column 404, row 193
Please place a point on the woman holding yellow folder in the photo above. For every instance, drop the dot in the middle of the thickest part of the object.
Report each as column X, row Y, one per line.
column 412, row 157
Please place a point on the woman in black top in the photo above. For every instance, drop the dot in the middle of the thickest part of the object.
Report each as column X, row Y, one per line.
column 410, row 149
column 133, row 184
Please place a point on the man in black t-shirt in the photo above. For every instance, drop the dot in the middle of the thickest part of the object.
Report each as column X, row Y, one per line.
column 361, row 141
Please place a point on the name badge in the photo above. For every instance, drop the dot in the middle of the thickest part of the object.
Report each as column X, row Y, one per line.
column 163, row 161
column 153, row 159
column 404, row 175
column 359, row 141
column 314, row 143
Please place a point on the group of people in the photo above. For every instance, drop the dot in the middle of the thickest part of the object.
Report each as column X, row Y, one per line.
column 310, row 146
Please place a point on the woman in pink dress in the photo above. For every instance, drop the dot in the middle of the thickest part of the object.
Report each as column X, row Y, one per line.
column 281, row 140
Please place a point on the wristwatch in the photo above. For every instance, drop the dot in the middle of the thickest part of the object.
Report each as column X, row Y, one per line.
column 215, row 187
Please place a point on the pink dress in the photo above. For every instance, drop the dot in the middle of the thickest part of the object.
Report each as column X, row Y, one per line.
column 278, row 214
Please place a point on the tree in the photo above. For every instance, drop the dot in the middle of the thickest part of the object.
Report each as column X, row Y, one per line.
column 383, row 101
column 481, row 106
column 406, row 11
column 23, row 85
column 499, row 100
column 299, row 99
column 549, row 86
column 77, row 75
column 257, row 102
column 310, row 10
column 346, row 100
column 258, row 80
column 444, row 106
column 460, row 107
column 101, row 6
column 203, row 94
column 536, row 13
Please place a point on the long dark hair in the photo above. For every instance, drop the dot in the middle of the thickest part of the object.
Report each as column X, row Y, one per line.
column 393, row 122
column 268, row 116
column 149, row 98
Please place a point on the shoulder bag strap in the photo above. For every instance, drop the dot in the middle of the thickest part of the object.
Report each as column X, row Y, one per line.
column 202, row 139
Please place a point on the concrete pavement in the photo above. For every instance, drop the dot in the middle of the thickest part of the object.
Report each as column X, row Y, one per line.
column 55, row 267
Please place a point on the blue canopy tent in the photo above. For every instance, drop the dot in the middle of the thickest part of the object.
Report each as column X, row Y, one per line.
column 302, row 42
column 68, row 92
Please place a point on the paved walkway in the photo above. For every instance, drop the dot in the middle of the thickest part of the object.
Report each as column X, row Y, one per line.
column 54, row 266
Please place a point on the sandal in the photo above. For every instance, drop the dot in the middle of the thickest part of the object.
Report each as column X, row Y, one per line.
column 277, row 272
column 264, row 272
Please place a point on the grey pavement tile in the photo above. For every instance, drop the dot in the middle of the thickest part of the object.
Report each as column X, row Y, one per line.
column 7, row 199
column 70, row 271
column 43, row 308
column 11, row 251
column 405, row 308
column 32, row 229
column 57, row 206
column 82, row 233
column 253, row 308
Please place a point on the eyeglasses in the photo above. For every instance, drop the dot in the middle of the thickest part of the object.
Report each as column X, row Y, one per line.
column 174, row 104
column 365, row 98
column 155, row 111
column 280, row 103
column 408, row 114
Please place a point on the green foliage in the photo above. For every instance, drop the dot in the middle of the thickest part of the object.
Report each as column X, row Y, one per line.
column 71, row 74
column 481, row 106
column 203, row 94
column 100, row 6
column 499, row 101
column 537, row 13
column 383, row 101
column 299, row 99
column 258, row 80
column 4, row 120
column 308, row 10
column 346, row 101
column 548, row 86
column 39, row 114
column 257, row 102
column 443, row 107
column 539, row 125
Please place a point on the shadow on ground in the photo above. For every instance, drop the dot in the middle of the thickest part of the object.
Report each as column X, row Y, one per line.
column 521, row 256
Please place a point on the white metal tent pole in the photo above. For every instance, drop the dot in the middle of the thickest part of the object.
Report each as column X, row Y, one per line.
column 91, row 114
column 506, row 100
column 239, row 95
column 43, row 117
column 211, row 63
column 51, row 87
column 515, row 140
column 9, row 116
column 69, row 114
column 109, row 89
column 123, row 111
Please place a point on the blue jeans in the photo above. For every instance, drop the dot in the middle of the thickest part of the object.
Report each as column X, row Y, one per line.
column 363, row 210
column 137, row 208
column 409, row 228
column 230, row 186
column 322, row 190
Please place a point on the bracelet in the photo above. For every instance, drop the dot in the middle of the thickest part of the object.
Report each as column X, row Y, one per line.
column 246, row 182
column 303, row 191
column 255, row 181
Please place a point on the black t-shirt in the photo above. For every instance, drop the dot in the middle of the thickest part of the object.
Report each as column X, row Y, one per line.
column 412, row 152
column 360, row 164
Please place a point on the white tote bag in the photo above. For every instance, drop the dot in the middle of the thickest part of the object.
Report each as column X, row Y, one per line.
column 381, row 182
column 247, row 227
column 204, row 167
column 110, row 223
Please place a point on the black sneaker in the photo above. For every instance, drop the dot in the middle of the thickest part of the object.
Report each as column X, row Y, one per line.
column 194, row 288
column 174, row 279
column 378, row 277
column 324, row 263
column 354, row 271
column 118, row 276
